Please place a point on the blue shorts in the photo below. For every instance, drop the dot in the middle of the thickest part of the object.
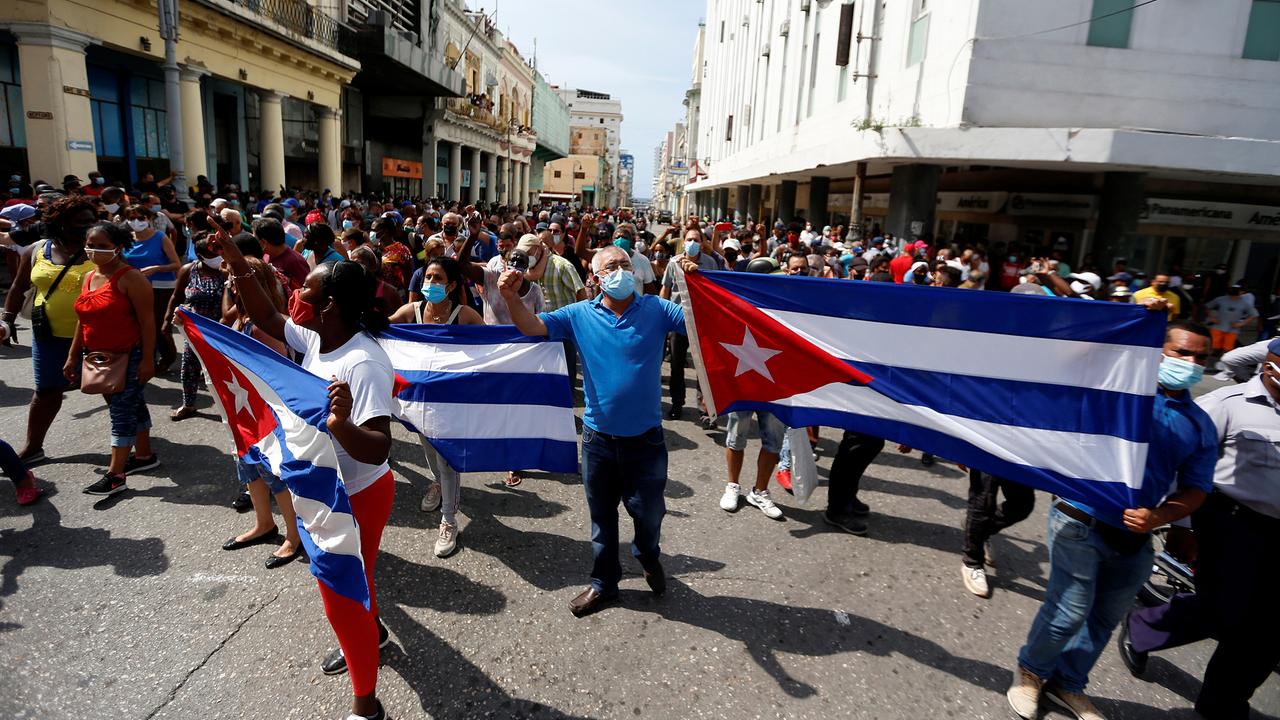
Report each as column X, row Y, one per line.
column 247, row 472
column 47, row 358
column 771, row 430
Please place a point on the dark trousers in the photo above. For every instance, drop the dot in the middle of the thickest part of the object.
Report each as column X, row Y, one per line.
column 986, row 517
column 854, row 455
column 633, row 471
column 571, row 357
column 165, row 346
column 10, row 465
column 1235, row 602
column 675, row 384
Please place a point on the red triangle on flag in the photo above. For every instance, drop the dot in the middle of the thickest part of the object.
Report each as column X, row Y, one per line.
column 399, row 385
column 246, row 412
column 748, row 355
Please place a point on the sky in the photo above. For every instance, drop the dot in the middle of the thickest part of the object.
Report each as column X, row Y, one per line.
column 639, row 52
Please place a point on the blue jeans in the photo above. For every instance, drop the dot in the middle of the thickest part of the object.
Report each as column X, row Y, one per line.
column 128, row 408
column 1091, row 586
column 248, row 471
column 784, row 455
column 10, row 465
column 633, row 471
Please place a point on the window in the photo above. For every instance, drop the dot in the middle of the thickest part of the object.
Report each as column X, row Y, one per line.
column 919, row 37
column 1262, row 41
column 813, row 63
column 579, row 175
column 150, row 132
column 557, row 173
column 721, row 31
column 104, row 105
column 728, row 130
column 1113, row 29
column 12, row 126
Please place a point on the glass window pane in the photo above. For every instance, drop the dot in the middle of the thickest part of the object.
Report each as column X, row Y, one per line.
column 6, row 137
column 162, row 132
column 919, row 38
column 17, row 121
column 8, row 64
column 138, row 91
column 1262, row 41
column 112, row 142
column 103, row 84
column 1112, row 31
column 139, row 133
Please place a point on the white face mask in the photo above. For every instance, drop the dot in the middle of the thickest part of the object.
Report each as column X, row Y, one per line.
column 112, row 208
column 139, row 225
column 212, row 263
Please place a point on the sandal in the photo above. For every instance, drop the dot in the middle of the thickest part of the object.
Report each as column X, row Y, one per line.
column 182, row 413
column 513, row 479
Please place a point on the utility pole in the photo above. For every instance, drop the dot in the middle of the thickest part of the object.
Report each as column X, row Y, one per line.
column 168, row 10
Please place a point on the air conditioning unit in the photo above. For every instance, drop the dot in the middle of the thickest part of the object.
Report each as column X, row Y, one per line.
column 764, row 50
column 785, row 28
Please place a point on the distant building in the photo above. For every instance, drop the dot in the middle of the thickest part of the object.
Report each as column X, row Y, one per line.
column 589, row 109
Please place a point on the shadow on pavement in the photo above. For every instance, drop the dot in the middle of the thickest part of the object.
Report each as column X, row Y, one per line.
column 911, row 490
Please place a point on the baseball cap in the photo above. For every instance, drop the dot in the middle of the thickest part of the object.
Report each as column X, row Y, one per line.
column 1091, row 279
column 291, row 202
column 1274, row 347
column 542, row 226
column 18, row 213
column 528, row 241
column 732, row 243
column 779, row 225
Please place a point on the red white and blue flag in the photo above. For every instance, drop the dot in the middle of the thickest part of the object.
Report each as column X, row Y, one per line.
column 277, row 411
column 1053, row 393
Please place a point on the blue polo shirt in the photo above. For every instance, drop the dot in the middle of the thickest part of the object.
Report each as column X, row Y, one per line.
column 621, row 359
column 1182, row 454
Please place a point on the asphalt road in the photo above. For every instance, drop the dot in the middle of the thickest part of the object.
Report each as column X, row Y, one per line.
column 127, row 608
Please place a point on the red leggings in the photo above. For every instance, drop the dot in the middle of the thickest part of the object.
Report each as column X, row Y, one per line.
column 355, row 627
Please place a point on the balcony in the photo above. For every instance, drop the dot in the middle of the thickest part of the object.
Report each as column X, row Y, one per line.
column 296, row 21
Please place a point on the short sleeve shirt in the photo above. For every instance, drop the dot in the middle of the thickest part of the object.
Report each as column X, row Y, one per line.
column 1247, row 419
column 643, row 271
column 560, row 283
column 365, row 367
column 495, row 306
column 672, row 275
column 1228, row 311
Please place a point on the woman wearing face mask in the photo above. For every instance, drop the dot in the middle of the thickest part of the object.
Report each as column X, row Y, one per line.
column 153, row 253
column 317, row 245
column 115, row 316
column 200, row 286
column 441, row 304
column 56, row 268
column 331, row 320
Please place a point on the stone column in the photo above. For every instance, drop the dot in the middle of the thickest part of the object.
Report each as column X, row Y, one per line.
column 1121, row 203
column 55, row 99
column 494, row 180
column 430, row 150
column 504, row 181
column 522, row 180
column 455, row 171
column 819, row 191
column 913, row 199
column 193, row 121
column 740, row 203
column 271, row 141
column 787, row 201
column 330, row 125
column 473, row 196
column 754, row 196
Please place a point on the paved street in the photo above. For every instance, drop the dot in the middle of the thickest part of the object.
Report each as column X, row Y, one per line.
column 126, row 608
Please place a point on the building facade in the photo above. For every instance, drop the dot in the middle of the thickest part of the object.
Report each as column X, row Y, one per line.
column 589, row 109
column 551, row 129
column 1027, row 125
column 626, row 177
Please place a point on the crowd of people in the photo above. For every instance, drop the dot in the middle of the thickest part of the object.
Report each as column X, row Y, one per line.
column 100, row 268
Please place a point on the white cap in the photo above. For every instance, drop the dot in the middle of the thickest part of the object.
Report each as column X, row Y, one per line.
column 732, row 243
column 218, row 203
column 1087, row 277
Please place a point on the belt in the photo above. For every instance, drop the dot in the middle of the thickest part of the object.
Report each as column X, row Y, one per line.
column 607, row 436
column 1075, row 513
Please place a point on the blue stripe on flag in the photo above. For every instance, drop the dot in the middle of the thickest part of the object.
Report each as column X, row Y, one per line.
column 489, row 388
column 497, row 454
column 1041, row 406
column 459, row 334
column 1004, row 313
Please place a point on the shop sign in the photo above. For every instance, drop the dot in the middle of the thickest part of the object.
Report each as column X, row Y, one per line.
column 974, row 202
column 1210, row 214
column 391, row 167
column 1052, row 205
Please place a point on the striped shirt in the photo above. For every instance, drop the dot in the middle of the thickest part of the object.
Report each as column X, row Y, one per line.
column 560, row 283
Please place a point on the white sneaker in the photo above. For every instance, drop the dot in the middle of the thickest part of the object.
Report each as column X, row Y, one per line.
column 431, row 498
column 1024, row 693
column 975, row 579
column 760, row 498
column 729, row 501
column 447, row 542
column 1078, row 704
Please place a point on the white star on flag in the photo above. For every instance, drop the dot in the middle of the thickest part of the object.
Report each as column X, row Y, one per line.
column 751, row 356
column 239, row 393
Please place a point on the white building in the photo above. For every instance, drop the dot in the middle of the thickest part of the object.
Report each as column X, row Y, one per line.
column 596, row 109
column 1147, row 131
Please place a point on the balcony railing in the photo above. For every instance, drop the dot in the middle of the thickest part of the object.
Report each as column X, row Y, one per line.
column 300, row 18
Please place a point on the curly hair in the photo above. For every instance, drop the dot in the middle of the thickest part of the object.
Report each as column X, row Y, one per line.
column 63, row 208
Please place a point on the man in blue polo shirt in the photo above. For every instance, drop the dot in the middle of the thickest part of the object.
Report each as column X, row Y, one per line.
column 619, row 336
column 1097, row 559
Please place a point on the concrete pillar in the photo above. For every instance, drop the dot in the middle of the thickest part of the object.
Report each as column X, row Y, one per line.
column 474, row 195
column 455, row 171
column 722, row 204
column 913, row 198
column 754, row 196
column 1122, row 201
column 522, row 176
column 504, row 181
column 192, row 121
column 55, row 99
column 330, row 126
column 271, row 141
column 787, row 201
column 819, row 190
column 740, row 203
column 493, row 181
column 855, row 211
column 430, row 150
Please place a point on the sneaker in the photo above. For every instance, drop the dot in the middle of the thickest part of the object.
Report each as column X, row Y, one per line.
column 675, row 413
column 729, row 501
column 431, row 498
column 927, row 459
column 975, row 579
column 32, row 457
column 107, row 485
column 784, row 479
column 136, row 464
column 1024, row 693
column 847, row 523
column 336, row 664
column 380, row 715
column 761, row 499
column 989, row 554
column 447, row 542
column 1077, row 704
column 857, row 507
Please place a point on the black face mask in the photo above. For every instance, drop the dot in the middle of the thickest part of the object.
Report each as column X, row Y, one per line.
column 1160, row 287
column 450, row 230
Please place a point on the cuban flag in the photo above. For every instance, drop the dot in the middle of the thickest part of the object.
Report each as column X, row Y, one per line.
column 1054, row 393
column 277, row 413
column 487, row 398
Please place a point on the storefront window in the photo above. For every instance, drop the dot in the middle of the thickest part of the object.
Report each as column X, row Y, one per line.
column 12, row 129
column 1196, row 254
column 150, row 131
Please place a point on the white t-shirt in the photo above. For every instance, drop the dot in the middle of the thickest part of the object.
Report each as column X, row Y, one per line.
column 365, row 367
column 495, row 306
column 643, row 270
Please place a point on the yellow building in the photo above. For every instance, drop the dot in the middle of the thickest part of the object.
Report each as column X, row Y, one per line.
column 576, row 178
column 261, row 90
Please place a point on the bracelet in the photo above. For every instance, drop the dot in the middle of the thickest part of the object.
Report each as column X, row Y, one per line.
column 245, row 276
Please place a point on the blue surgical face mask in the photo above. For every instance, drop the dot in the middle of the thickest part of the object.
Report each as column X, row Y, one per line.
column 623, row 243
column 619, row 284
column 693, row 248
column 434, row 292
column 348, row 224
column 1179, row 374
column 156, row 209
column 373, row 237
column 99, row 181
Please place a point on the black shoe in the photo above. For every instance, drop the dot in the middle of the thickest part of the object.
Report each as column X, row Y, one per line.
column 136, row 464
column 857, row 507
column 33, row 457
column 270, row 536
column 927, row 460
column 380, row 715
column 275, row 561
column 675, row 413
column 847, row 523
column 707, row 422
column 1134, row 660
column 336, row 664
column 589, row 601
column 108, row 485
column 657, row 579
column 242, row 503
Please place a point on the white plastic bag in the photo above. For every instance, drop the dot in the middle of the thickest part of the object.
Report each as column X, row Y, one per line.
column 804, row 471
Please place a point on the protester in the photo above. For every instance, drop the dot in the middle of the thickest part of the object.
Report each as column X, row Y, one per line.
column 276, row 251
column 984, row 517
column 1097, row 560
column 1227, row 314
column 672, row 278
column 771, row 432
column 1159, row 288
column 317, row 245
column 330, row 323
column 619, row 336
column 153, row 253
column 115, row 317
column 200, row 285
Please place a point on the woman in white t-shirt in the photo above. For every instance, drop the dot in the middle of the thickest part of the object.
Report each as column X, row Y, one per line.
column 330, row 321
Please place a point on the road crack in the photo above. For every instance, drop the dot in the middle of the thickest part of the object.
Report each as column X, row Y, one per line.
column 173, row 694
